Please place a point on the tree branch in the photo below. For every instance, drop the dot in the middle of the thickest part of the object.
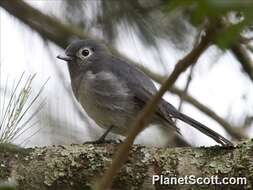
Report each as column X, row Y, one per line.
column 186, row 88
column 144, row 117
column 44, row 31
column 235, row 132
column 48, row 27
column 64, row 33
column 242, row 56
column 76, row 167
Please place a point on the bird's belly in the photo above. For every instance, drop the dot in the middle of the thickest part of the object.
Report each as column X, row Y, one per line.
column 102, row 116
column 107, row 100
column 108, row 111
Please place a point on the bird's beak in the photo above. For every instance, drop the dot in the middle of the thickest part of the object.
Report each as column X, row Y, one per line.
column 65, row 57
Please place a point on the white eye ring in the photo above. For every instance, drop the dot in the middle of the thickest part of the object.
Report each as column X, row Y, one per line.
column 84, row 53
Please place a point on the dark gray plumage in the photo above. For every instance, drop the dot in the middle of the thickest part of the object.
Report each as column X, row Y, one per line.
column 113, row 92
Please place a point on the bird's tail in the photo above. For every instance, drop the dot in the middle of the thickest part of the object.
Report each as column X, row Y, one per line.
column 204, row 129
column 197, row 125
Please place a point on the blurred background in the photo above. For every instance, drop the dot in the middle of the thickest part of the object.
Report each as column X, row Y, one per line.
column 154, row 34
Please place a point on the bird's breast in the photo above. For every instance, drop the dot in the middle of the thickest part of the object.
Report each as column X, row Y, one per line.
column 106, row 99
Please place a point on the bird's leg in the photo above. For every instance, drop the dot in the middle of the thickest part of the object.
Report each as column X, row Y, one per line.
column 102, row 138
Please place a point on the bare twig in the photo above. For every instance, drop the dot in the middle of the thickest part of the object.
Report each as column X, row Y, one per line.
column 235, row 132
column 245, row 40
column 27, row 12
column 242, row 56
column 250, row 48
column 143, row 118
column 189, row 78
column 187, row 85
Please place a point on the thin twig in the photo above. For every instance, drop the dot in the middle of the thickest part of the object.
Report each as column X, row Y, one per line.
column 69, row 32
column 235, row 132
column 189, row 78
column 144, row 117
column 245, row 40
column 242, row 56
column 187, row 85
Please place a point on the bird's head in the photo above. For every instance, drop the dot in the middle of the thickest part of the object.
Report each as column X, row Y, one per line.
column 82, row 52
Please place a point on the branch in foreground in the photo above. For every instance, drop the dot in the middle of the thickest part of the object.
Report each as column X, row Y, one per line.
column 79, row 166
column 21, row 7
column 63, row 34
column 143, row 118
column 235, row 132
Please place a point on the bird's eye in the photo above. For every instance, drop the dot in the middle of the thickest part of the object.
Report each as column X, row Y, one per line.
column 85, row 52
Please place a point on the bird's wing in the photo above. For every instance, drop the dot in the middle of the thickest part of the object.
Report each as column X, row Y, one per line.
column 133, row 76
column 143, row 89
column 140, row 85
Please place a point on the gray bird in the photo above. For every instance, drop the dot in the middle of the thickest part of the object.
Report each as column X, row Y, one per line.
column 113, row 92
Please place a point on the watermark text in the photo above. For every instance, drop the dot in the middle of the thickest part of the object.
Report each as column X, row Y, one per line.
column 192, row 179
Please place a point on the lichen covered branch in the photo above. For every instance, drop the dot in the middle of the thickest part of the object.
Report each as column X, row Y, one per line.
column 80, row 166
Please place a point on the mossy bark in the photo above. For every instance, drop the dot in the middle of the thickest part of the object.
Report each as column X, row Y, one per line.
column 81, row 166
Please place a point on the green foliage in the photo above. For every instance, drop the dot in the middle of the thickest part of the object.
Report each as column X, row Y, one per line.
column 7, row 187
column 229, row 35
column 233, row 16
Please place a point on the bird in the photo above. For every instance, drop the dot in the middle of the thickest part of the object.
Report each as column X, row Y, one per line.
column 113, row 91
